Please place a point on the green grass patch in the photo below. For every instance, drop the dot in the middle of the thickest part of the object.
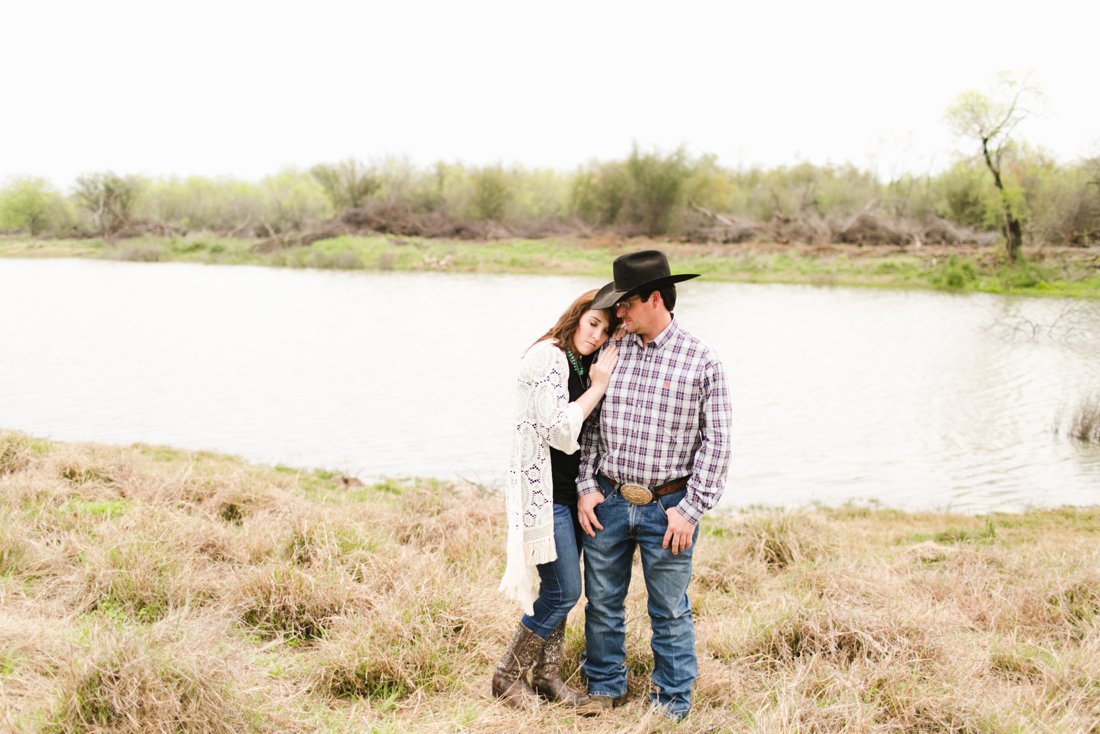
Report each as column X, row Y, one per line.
column 970, row 269
column 963, row 535
column 1023, row 663
column 106, row 509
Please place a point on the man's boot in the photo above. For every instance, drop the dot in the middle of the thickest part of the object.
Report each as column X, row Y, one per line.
column 546, row 677
column 510, row 679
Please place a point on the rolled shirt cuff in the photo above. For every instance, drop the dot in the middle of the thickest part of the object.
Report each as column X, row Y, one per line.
column 587, row 486
column 692, row 513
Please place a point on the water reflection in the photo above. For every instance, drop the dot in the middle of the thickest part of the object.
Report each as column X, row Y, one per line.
column 918, row 400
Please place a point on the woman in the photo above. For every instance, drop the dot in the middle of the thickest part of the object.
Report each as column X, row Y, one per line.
column 559, row 386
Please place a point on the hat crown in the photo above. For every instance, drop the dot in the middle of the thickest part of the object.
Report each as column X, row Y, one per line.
column 638, row 268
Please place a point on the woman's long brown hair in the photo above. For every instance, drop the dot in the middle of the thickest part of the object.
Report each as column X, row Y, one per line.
column 566, row 326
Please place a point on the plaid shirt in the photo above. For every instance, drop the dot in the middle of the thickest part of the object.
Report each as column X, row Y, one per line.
column 666, row 415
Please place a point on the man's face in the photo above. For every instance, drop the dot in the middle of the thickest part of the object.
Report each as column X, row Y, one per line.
column 635, row 313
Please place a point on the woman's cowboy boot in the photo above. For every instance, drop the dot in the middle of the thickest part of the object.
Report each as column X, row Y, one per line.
column 510, row 679
column 546, row 677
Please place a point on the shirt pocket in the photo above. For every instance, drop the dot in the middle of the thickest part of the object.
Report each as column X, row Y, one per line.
column 677, row 413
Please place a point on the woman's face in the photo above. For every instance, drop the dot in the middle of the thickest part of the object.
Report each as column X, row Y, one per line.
column 591, row 332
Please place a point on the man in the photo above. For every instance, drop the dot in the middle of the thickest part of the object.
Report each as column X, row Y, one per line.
column 652, row 464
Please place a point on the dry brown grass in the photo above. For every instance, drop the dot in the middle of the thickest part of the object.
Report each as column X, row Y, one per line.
column 15, row 452
column 144, row 589
column 135, row 680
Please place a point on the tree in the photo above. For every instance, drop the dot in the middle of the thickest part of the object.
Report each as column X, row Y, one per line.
column 347, row 184
column 991, row 120
column 109, row 198
column 30, row 204
column 658, row 187
column 291, row 201
column 1093, row 167
column 599, row 192
column 492, row 193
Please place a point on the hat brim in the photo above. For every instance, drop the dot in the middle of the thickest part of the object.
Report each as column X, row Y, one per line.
column 609, row 299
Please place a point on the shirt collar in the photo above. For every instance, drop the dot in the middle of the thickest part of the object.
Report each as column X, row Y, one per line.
column 661, row 339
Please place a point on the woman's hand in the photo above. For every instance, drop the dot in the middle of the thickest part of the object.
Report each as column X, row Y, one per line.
column 602, row 367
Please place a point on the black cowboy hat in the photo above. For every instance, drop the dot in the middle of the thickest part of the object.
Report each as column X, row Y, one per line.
column 635, row 272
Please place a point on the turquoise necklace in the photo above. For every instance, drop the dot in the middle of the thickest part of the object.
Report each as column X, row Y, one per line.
column 576, row 362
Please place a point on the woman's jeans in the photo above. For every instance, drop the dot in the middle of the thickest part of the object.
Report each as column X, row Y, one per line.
column 607, row 564
column 561, row 579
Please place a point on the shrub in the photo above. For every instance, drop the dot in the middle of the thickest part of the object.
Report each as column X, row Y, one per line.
column 599, row 193
column 291, row 201
column 402, row 183
column 347, row 184
column 492, row 193
column 198, row 203
column 109, row 199
column 968, row 195
column 1022, row 274
column 912, row 197
column 953, row 274
column 32, row 205
column 647, row 190
column 1063, row 204
column 709, row 185
column 658, row 187
column 540, row 196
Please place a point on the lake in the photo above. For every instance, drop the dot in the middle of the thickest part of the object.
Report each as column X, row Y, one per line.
column 914, row 400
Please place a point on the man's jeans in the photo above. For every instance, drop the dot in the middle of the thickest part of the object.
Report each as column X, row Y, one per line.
column 607, row 565
column 560, row 586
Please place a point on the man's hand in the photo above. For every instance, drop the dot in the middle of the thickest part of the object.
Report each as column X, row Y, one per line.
column 679, row 531
column 586, row 512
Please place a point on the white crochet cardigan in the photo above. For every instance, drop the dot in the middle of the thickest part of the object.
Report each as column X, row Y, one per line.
column 544, row 418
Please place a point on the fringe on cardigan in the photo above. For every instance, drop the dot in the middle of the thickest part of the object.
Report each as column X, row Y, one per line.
column 544, row 418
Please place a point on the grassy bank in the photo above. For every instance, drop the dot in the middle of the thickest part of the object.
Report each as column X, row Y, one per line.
column 1044, row 271
column 149, row 589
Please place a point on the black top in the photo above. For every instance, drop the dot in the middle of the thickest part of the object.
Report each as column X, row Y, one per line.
column 565, row 467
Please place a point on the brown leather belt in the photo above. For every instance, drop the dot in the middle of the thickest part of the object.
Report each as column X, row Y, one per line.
column 638, row 494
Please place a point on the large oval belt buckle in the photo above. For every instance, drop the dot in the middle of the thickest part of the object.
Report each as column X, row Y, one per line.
column 636, row 494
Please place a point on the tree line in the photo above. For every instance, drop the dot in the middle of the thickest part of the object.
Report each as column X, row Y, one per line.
column 1007, row 191
column 647, row 193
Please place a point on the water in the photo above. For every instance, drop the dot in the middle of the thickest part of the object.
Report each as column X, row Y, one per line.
column 913, row 400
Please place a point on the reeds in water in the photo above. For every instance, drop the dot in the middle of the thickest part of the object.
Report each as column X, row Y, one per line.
column 1085, row 425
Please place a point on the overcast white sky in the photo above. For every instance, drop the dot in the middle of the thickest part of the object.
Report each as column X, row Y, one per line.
column 243, row 89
